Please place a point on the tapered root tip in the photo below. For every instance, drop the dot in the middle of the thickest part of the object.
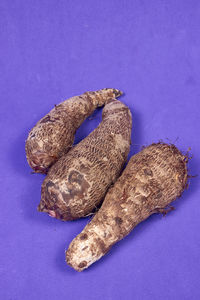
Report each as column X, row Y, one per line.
column 117, row 93
column 70, row 262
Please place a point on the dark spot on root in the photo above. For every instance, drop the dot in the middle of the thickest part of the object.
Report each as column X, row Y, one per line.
column 77, row 187
column 84, row 248
column 75, row 176
column 82, row 264
column 143, row 199
column 148, row 172
column 49, row 197
column 118, row 220
column 84, row 236
column 102, row 246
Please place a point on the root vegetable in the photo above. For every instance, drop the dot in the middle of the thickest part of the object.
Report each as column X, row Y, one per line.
column 53, row 135
column 152, row 179
column 78, row 181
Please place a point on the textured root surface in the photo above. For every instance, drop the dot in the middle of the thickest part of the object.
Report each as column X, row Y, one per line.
column 152, row 179
column 78, row 181
column 53, row 135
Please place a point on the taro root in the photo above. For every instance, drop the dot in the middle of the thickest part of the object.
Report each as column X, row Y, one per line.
column 153, row 178
column 53, row 135
column 78, row 181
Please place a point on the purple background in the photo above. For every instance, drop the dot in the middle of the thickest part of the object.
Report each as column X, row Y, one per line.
column 52, row 50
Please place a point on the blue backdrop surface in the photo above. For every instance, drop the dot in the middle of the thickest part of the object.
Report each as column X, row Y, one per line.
column 52, row 50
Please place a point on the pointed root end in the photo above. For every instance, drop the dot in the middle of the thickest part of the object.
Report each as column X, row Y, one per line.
column 117, row 93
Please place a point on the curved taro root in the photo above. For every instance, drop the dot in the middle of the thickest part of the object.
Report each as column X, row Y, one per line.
column 78, row 181
column 53, row 135
column 152, row 179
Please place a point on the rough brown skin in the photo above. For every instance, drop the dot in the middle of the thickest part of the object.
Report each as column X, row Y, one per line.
column 78, row 181
column 53, row 135
column 152, row 179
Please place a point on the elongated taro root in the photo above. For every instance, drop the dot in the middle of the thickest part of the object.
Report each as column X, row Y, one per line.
column 53, row 135
column 152, row 179
column 78, row 181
